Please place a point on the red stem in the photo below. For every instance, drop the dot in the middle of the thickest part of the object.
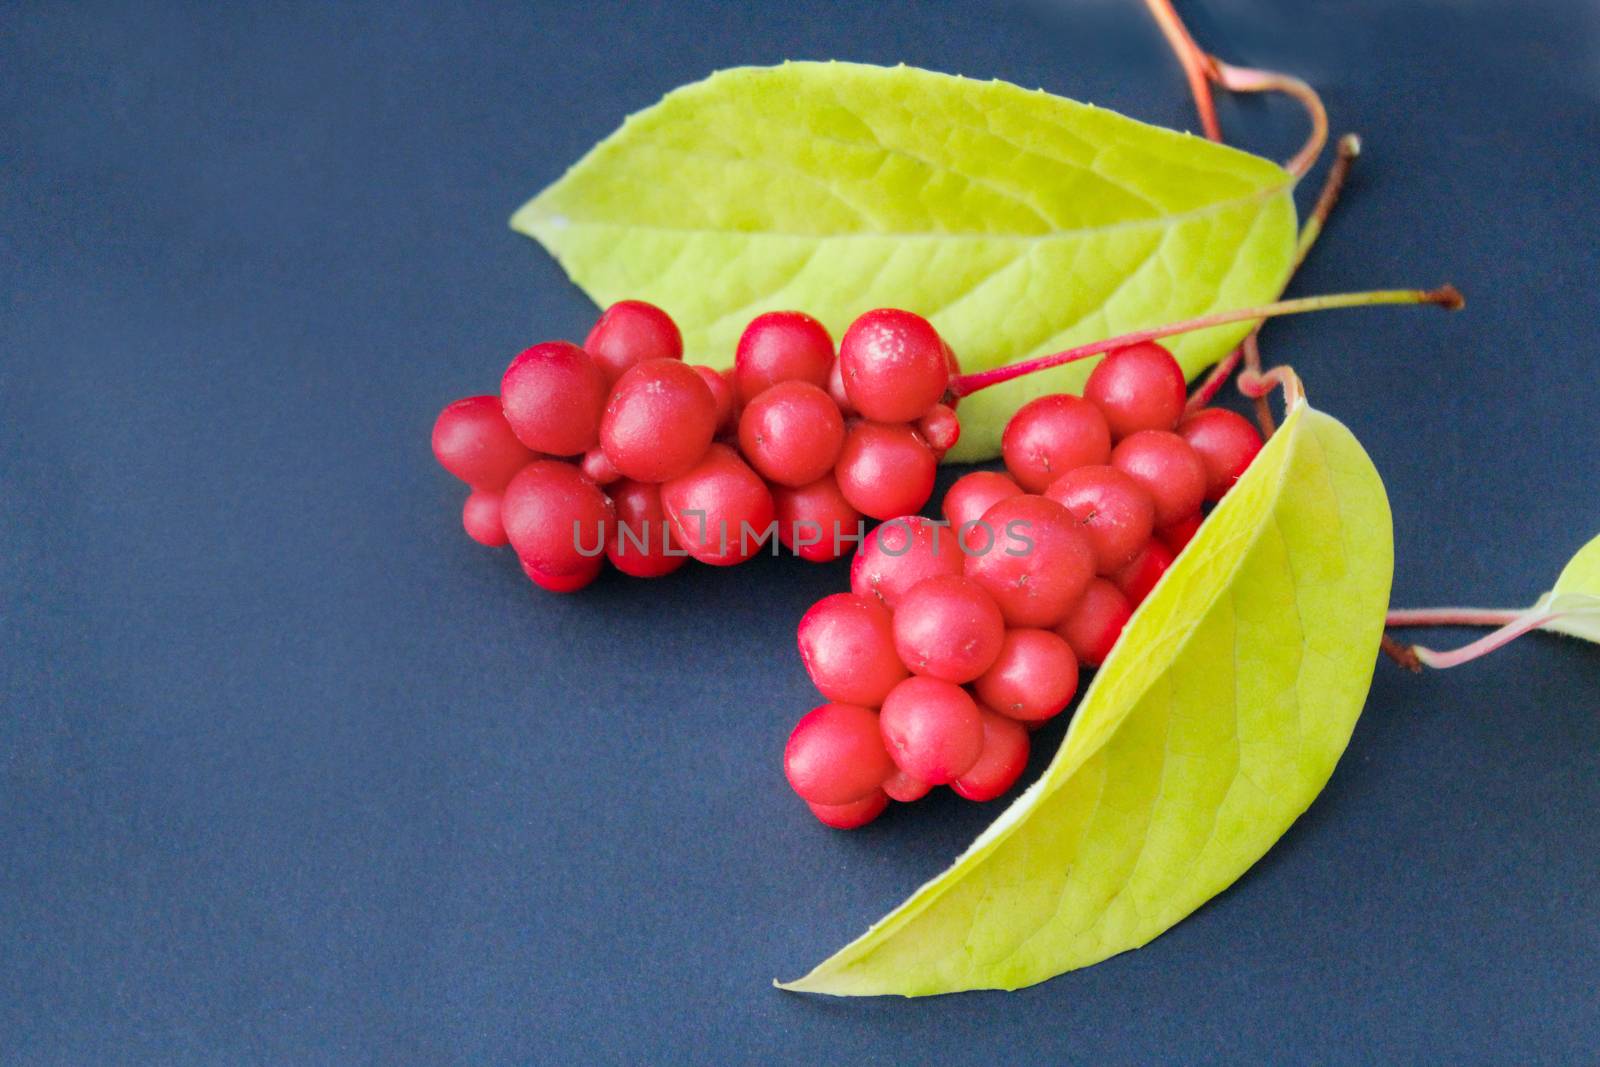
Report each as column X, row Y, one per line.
column 1197, row 66
column 1452, row 617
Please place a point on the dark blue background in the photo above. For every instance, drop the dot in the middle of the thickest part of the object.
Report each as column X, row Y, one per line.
column 290, row 771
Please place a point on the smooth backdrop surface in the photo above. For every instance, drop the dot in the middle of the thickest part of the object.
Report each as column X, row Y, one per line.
column 290, row 772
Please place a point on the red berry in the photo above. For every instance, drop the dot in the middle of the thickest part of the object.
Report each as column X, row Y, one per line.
column 851, row 816
column 556, row 518
column 781, row 346
column 847, row 646
column 480, row 516
column 640, row 544
column 894, row 365
column 836, row 390
column 815, row 521
column 885, row 469
column 791, row 433
column 941, row 428
column 836, row 755
column 1093, row 627
column 1140, row 387
column 975, row 493
column 932, row 729
column 1139, row 577
column 1225, row 442
column 1038, row 563
column 1032, row 679
column 1169, row 470
column 1004, row 758
column 722, row 394
column 659, row 420
column 1111, row 507
column 1177, row 536
column 563, row 583
column 598, row 468
column 630, row 332
column 948, row 628
column 552, row 395
column 473, row 441
column 899, row 554
column 1052, row 435
column 721, row 510
column 904, row 788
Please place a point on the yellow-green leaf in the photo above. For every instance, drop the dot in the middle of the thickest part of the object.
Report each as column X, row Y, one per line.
column 1019, row 222
column 1574, row 601
column 1211, row 727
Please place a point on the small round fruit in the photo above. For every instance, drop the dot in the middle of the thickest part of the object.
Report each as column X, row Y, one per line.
column 1140, row 387
column 1111, row 507
column 899, row 554
column 894, row 365
column 722, row 394
column 851, row 816
column 781, row 346
column 1052, row 435
column 630, row 332
column 1225, row 442
column 1092, row 628
column 836, row 390
column 904, row 788
column 659, row 420
column 847, row 646
column 932, row 729
column 473, row 441
column 975, row 493
column 885, row 469
column 640, row 544
column 480, row 517
column 1033, row 678
column 1139, row 577
column 552, row 395
column 792, row 433
column 1178, row 535
column 948, row 628
column 1169, row 470
column 598, row 468
column 1039, row 563
column 555, row 518
column 941, row 428
column 564, row 583
column 1004, row 758
column 721, row 511
column 836, row 755
column 815, row 521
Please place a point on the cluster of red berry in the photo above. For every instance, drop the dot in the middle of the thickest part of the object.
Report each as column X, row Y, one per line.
column 620, row 451
column 958, row 638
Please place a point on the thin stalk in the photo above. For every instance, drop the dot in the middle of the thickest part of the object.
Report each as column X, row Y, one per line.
column 1249, row 80
column 1446, row 296
column 1197, row 66
column 1488, row 643
column 1451, row 617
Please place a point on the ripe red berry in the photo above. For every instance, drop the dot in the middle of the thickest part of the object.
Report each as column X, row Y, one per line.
column 1004, row 758
column 630, row 332
column 1177, row 535
column 659, row 420
column 904, row 788
column 815, row 521
column 836, row 755
column 894, row 365
column 948, row 628
column 932, row 729
column 975, row 493
column 1092, row 628
column 836, row 390
column 781, row 346
column 899, row 554
column 1139, row 577
column 480, row 517
column 1169, row 470
column 1033, row 678
column 1038, row 564
column 847, row 646
column 791, row 433
column 722, row 394
column 564, row 583
column 885, row 469
column 598, row 468
column 1052, row 435
column 1111, row 507
column 1140, row 387
column 552, row 395
column 721, row 510
column 640, row 544
column 1225, row 442
column 555, row 518
column 941, row 428
column 851, row 816
column 473, row 441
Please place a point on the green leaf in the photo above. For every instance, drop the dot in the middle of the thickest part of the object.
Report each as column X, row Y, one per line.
column 1574, row 601
column 1019, row 222
column 1211, row 727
